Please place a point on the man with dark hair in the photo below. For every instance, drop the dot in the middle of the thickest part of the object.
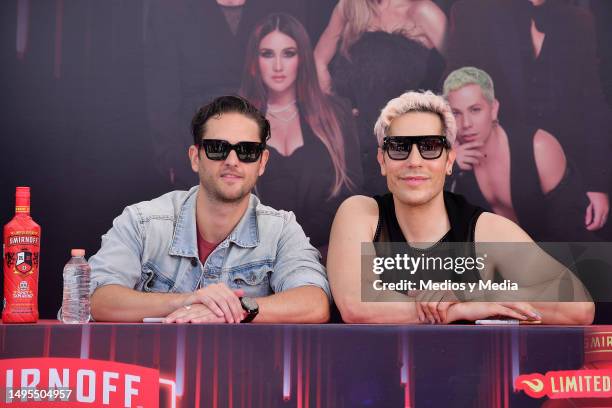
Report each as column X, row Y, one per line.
column 213, row 253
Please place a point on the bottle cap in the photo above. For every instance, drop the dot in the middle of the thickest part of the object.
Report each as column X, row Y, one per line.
column 22, row 192
column 77, row 252
column 22, row 200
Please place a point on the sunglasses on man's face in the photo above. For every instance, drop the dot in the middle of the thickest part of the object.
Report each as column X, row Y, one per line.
column 247, row 152
column 430, row 146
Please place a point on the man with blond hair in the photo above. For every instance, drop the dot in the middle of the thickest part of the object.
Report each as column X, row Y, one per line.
column 513, row 169
column 417, row 210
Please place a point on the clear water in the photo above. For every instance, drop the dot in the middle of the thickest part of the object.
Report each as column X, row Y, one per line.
column 75, row 303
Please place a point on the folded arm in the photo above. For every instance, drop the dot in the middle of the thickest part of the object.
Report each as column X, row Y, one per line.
column 355, row 223
column 540, row 277
column 306, row 304
column 116, row 303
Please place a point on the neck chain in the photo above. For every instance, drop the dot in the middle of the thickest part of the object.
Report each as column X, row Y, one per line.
column 287, row 119
column 282, row 108
column 275, row 112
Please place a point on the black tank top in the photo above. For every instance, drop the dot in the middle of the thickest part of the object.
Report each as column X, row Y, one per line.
column 461, row 215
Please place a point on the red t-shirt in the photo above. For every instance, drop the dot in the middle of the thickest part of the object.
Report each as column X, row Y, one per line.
column 204, row 248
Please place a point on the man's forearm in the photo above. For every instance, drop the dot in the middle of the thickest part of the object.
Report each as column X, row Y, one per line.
column 306, row 304
column 381, row 312
column 116, row 303
column 580, row 313
column 389, row 307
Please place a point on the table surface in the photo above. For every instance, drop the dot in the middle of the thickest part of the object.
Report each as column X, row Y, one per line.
column 327, row 365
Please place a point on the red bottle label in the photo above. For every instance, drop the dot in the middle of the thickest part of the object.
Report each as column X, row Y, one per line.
column 21, row 263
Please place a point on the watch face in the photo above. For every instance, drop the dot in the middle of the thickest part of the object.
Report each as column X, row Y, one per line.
column 249, row 303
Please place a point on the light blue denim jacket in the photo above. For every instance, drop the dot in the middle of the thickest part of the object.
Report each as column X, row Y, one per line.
column 152, row 247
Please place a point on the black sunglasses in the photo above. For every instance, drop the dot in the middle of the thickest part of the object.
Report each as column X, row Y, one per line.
column 430, row 146
column 247, row 152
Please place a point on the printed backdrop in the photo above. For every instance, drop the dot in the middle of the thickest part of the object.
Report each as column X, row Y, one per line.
column 97, row 96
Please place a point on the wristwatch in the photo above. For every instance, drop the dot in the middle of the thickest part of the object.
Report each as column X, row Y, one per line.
column 251, row 307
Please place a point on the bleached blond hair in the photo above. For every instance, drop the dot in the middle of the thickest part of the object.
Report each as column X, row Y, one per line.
column 357, row 15
column 468, row 76
column 412, row 101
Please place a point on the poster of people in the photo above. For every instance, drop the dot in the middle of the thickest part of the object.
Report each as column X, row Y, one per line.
column 98, row 97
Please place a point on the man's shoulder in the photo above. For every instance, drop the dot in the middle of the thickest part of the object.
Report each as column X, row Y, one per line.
column 360, row 205
column 276, row 227
column 358, row 214
column 165, row 206
column 492, row 227
column 263, row 210
column 270, row 221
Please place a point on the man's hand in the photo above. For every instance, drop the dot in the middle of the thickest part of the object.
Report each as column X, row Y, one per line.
column 597, row 210
column 220, row 300
column 468, row 154
column 483, row 310
column 195, row 313
column 432, row 306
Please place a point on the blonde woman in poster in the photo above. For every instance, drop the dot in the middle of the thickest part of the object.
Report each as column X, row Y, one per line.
column 370, row 52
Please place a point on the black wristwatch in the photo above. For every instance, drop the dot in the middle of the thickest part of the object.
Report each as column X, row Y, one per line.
column 251, row 307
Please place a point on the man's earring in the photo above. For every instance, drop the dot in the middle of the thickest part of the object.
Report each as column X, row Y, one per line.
column 449, row 172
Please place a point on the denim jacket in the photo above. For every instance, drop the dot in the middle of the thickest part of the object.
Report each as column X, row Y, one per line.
column 152, row 247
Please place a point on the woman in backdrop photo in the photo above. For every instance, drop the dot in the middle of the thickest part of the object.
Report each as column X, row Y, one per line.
column 380, row 48
column 314, row 150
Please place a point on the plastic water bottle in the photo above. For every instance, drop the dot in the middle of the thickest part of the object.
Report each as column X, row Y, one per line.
column 75, row 303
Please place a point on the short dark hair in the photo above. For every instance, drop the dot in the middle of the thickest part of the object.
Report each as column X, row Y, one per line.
column 226, row 104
